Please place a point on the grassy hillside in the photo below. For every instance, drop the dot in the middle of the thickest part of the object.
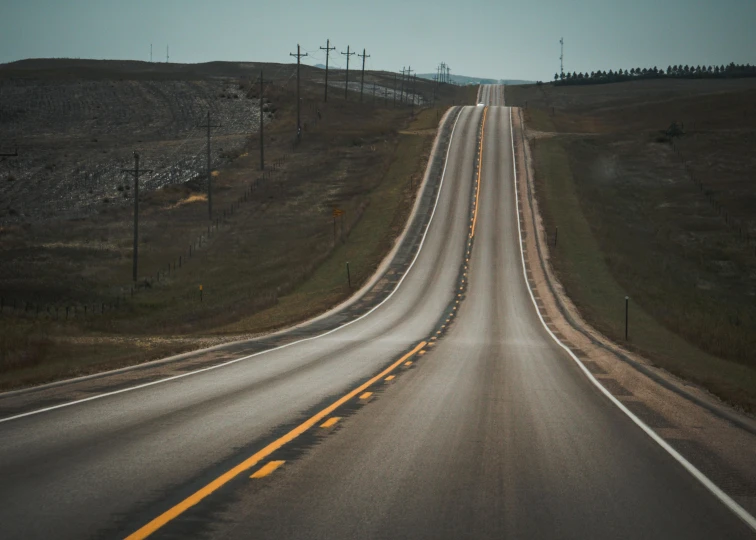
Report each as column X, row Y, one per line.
column 665, row 220
column 267, row 259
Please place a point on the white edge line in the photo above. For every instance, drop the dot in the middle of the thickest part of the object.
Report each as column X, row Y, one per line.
column 741, row 512
column 234, row 361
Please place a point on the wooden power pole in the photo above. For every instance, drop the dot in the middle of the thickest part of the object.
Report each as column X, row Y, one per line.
column 262, row 122
column 135, row 171
column 299, row 56
column 328, row 50
column 362, row 80
column 346, row 85
column 209, row 170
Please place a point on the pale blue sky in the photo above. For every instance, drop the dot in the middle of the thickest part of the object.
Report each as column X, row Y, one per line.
column 497, row 39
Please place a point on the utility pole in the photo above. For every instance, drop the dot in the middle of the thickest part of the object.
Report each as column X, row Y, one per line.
column 362, row 81
column 299, row 56
column 136, row 171
column 209, row 171
column 167, row 56
column 328, row 50
column 150, row 53
column 346, row 86
column 414, row 82
column 561, row 58
column 395, row 89
column 401, row 90
column 409, row 74
column 262, row 122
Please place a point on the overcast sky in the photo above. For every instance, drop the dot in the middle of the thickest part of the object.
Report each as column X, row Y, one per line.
column 496, row 39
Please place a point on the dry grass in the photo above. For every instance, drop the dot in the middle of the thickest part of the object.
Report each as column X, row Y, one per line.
column 633, row 221
column 272, row 262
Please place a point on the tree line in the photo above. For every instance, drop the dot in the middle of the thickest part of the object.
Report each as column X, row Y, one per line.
column 680, row 72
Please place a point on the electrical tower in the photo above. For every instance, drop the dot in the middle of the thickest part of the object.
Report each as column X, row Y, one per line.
column 362, row 80
column 346, row 86
column 561, row 58
column 328, row 50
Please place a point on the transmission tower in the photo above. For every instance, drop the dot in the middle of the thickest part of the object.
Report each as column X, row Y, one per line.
column 561, row 58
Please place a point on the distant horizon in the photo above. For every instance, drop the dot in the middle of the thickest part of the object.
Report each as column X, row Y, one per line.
column 510, row 40
column 317, row 66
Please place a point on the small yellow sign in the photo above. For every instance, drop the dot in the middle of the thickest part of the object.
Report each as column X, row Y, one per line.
column 200, row 287
column 337, row 212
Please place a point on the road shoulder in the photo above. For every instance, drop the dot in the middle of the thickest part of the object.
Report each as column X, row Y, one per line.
column 715, row 438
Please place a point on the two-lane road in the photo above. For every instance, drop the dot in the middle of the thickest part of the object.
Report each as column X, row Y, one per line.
column 494, row 433
column 107, row 464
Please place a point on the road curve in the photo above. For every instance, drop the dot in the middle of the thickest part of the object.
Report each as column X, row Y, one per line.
column 103, row 467
column 495, row 433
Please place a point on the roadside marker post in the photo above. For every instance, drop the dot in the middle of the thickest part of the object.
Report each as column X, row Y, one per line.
column 337, row 212
column 349, row 276
column 200, row 293
column 627, row 302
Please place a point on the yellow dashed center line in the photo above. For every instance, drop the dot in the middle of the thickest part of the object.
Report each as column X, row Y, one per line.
column 480, row 171
column 198, row 496
column 331, row 421
column 408, row 363
column 268, row 468
column 366, row 395
column 390, row 378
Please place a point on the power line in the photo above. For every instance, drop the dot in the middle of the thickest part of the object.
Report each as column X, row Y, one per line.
column 346, row 86
column 328, row 50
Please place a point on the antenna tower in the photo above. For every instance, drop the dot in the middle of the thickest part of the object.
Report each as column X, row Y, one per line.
column 561, row 58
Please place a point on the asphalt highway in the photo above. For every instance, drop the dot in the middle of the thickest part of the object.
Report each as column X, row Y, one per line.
column 493, row 433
